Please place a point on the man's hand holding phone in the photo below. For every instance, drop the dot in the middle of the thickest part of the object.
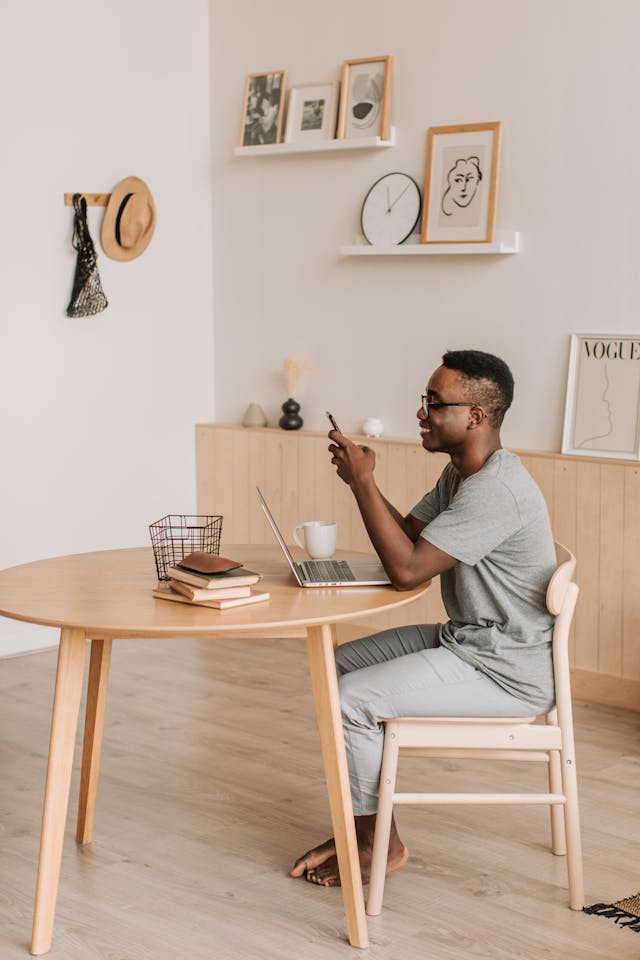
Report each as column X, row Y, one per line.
column 332, row 421
column 352, row 462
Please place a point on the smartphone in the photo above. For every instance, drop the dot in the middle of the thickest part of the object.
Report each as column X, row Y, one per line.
column 332, row 421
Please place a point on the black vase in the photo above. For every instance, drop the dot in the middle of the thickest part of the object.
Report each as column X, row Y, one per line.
column 290, row 419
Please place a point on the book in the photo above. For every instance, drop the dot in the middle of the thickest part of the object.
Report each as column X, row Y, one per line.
column 236, row 578
column 221, row 592
column 166, row 593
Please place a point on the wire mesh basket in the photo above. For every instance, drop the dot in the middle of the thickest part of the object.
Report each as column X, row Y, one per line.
column 178, row 534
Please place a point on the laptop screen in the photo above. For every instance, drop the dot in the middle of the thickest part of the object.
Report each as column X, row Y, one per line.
column 279, row 537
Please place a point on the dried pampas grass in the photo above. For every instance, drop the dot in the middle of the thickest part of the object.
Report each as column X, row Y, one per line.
column 293, row 370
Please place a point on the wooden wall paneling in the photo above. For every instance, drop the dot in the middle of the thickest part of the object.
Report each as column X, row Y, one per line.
column 223, row 477
column 631, row 575
column 416, row 475
column 396, row 487
column 343, row 512
column 611, row 568
column 258, row 530
column 565, row 513
column 205, row 467
column 241, row 492
column 542, row 471
column 273, row 473
column 325, row 481
column 306, row 476
column 587, row 615
column 290, row 485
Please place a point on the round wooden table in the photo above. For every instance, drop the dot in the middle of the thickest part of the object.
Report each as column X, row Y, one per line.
column 108, row 595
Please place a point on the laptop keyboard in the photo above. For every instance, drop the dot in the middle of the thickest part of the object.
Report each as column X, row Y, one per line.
column 328, row 570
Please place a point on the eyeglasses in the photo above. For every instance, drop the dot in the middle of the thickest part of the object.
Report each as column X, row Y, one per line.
column 428, row 405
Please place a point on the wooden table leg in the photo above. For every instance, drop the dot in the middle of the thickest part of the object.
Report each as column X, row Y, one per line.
column 93, row 728
column 64, row 722
column 320, row 648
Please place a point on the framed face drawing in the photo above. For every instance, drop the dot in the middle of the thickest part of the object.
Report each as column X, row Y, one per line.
column 263, row 108
column 312, row 111
column 365, row 98
column 602, row 410
column 461, row 183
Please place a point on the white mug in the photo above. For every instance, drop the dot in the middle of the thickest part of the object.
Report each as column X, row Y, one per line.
column 318, row 538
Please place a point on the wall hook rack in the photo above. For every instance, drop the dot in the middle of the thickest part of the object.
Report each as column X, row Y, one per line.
column 93, row 199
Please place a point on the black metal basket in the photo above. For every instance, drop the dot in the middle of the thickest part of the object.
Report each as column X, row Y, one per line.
column 179, row 534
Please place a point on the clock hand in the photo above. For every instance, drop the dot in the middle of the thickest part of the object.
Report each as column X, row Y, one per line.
column 388, row 210
column 398, row 197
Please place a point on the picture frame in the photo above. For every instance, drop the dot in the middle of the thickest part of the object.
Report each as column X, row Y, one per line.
column 263, row 108
column 602, row 407
column 461, row 183
column 311, row 112
column 365, row 98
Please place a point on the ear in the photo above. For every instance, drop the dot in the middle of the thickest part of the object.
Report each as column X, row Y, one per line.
column 476, row 418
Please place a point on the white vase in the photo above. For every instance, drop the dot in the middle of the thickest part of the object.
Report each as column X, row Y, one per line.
column 254, row 416
column 372, row 427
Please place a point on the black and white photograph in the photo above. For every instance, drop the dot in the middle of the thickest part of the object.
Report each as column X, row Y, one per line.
column 263, row 108
column 312, row 112
column 461, row 183
column 365, row 98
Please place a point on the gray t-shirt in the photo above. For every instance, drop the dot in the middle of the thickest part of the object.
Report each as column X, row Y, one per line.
column 496, row 524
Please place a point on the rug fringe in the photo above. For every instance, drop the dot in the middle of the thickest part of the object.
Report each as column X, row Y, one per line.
column 621, row 917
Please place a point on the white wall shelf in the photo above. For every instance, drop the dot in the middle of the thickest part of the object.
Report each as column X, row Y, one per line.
column 317, row 146
column 507, row 241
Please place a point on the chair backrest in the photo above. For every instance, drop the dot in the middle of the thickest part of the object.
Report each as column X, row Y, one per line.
column 562, row 594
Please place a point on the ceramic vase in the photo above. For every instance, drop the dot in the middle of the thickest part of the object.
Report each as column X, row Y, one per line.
column 290, row 419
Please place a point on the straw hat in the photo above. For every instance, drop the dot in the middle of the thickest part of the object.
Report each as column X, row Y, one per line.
column 129, row 220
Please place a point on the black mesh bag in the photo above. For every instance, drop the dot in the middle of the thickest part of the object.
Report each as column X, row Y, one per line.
column 87, row 296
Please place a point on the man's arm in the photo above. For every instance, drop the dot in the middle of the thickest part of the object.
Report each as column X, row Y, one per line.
column 408, row 558
column 410, row 525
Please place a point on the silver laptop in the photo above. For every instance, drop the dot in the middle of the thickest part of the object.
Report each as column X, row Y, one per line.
column 354, row 572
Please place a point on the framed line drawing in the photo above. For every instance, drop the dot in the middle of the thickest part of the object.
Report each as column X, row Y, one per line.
column 312, row 111
column 602, row 409
column 461, row 183
column 365, row 98
column 263, row 107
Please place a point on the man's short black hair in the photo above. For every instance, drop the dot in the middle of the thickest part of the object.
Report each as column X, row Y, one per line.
column 489, row 380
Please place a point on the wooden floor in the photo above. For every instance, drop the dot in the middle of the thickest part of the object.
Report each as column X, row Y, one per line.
column 211, row 785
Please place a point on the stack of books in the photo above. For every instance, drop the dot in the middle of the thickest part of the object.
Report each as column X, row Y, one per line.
column 207, row 581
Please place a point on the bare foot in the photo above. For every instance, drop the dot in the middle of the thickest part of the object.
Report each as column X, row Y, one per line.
column 313, row 858
column 320, row 865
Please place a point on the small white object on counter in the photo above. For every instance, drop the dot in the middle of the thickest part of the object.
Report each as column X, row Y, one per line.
column 372, row 427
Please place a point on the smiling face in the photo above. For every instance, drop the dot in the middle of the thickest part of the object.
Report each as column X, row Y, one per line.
column 446, row 430
column 463, row 179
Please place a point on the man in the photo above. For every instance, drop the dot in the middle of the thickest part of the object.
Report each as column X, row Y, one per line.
column 485, row 530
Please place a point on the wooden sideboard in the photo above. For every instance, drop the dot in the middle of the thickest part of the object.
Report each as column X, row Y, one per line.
column 594, row 507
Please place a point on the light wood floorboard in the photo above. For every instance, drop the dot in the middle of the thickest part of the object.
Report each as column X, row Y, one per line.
column 211, row 785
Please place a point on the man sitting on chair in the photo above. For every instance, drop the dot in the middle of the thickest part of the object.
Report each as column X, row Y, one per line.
column 484, row 529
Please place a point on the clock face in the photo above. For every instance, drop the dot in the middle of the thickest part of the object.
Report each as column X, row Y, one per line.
column 391, row 209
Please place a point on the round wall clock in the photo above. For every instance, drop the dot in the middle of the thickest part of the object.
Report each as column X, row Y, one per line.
column 391, row 209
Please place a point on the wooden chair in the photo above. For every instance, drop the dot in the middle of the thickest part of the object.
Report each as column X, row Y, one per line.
column 498, row 738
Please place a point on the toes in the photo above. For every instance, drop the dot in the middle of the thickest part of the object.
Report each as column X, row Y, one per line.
column 312, row 859
column 298, row 868
column 326, row 875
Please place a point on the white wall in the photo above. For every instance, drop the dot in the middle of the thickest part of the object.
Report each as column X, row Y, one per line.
column 562, row 76
column 96, row 429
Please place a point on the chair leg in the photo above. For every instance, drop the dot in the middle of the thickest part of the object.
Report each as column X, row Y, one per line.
column 558, row 838
column 383, row 819
column 572, row 828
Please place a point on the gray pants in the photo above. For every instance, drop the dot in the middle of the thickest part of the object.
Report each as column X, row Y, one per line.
column 404, row 673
